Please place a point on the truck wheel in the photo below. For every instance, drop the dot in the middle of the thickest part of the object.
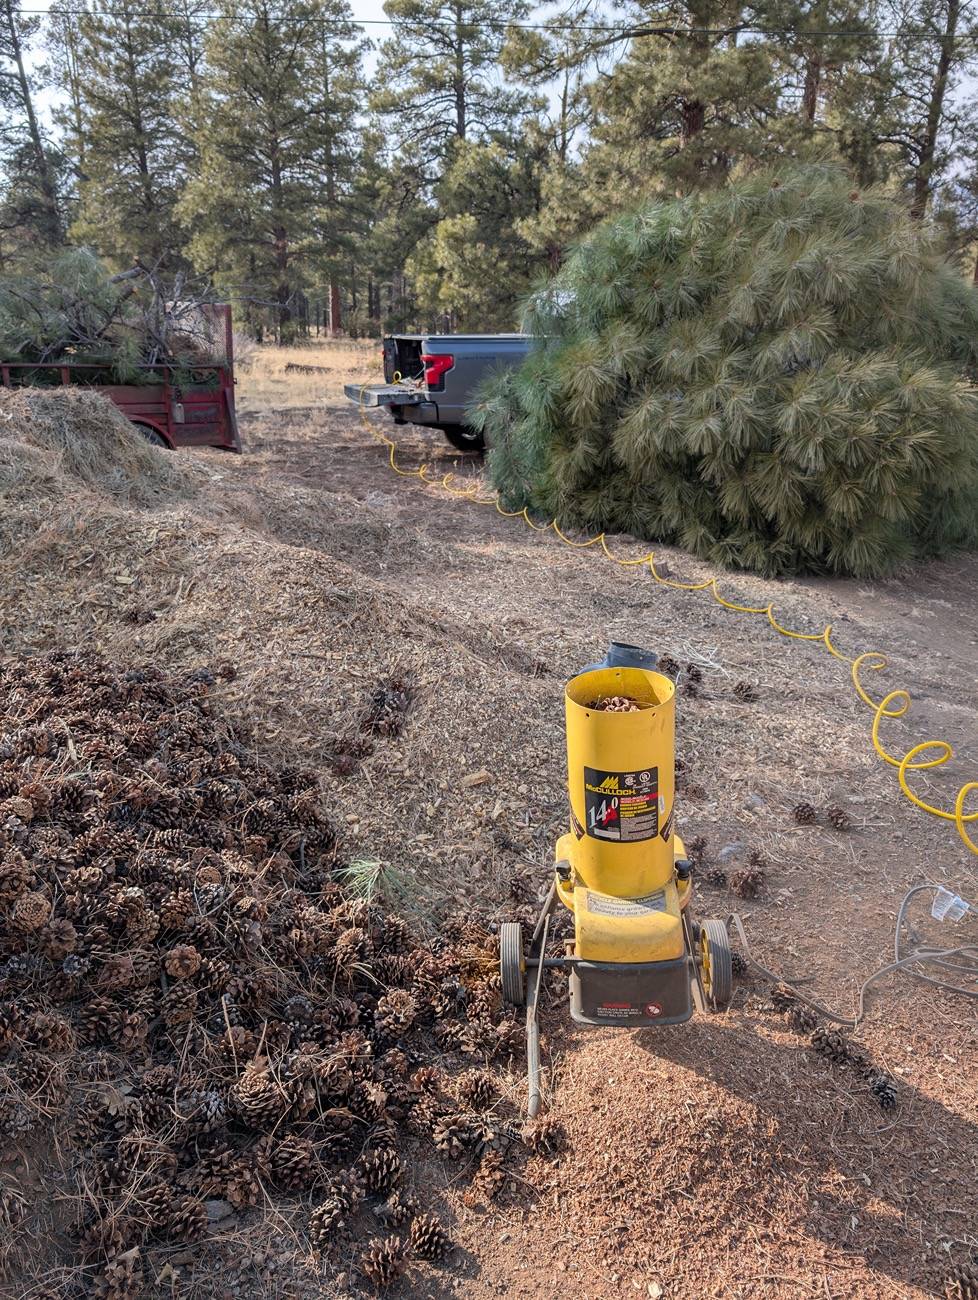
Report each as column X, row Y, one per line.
column 464, row 438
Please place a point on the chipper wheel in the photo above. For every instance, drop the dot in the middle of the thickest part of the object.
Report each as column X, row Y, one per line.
column 716, row 968
column 512, row 966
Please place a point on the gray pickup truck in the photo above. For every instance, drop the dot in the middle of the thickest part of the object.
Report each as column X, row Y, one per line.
column 432, row 379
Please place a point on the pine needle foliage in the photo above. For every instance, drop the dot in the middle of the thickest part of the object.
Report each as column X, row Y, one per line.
column 779, row 376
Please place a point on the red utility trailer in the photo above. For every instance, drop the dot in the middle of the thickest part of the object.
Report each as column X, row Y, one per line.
column 189, row 405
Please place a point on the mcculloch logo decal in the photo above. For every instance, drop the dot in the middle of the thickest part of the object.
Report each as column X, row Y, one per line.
column 621, row 806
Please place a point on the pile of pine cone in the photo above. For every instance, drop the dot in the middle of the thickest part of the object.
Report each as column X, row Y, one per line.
column 191, row 1010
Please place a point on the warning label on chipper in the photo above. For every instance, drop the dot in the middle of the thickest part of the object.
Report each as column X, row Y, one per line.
column 621, row 805
column 606, row 905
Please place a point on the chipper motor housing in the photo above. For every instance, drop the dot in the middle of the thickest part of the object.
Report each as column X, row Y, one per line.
column 637, row 956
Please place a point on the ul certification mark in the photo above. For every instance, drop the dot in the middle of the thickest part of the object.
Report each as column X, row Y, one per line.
column 653, row 1009
column 621, row 806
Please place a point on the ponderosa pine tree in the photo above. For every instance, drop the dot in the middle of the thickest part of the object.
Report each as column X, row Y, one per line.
column 438, row 77
column 472, row 267
column 267, row 207
column 777, row 375
column 125, row 88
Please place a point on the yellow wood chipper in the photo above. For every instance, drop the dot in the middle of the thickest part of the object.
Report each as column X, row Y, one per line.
column 637, row 957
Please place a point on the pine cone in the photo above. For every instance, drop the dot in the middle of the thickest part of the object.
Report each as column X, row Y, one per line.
column 746, row 692
column 783, row 997
column 243, row 1187
column 395, row 1014
column 476, row 1089
column 50, row 1032
column 695, row 848
column 182, row 962
column 694, row 673
column 491, row 1177
column 101, row 1238
column 121, row 1278
column 30, row 912
column 384, row 1263
column 426, row 1079
column 345, row 1197
column 97, row 1020
column 293, row 1163
column 747, row 883
column 176, row 910
column 399, row 1208
column 802, row 1019
column 716, row 876
column 544, row 1135
column 155, row 1203
column 455, row 1134
column 832, row 1045
column 429, row 1240
column 804, row 814
column 258, row 1098
column 738, row 965
column 186, row 1220
column 668, row 666
column 755, row 858
column 179, row 1005
column 58, row 938
column 380, row 1170
column 116, row 973
column 884, row 1092
column 839, row 818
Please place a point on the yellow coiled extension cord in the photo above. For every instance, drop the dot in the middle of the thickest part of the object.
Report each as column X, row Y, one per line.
column 893, row 705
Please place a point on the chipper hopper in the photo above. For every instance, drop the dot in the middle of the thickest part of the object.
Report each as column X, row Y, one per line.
column 637, row 957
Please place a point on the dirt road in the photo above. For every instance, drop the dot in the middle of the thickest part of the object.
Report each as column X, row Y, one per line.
column 723, row 1158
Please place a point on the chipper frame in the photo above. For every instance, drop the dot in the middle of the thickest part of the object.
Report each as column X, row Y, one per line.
column 637, row 957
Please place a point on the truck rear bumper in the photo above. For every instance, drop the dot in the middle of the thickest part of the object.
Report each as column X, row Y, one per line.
column 406, row 404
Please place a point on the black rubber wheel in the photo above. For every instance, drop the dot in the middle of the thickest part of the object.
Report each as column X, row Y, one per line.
column 512, row 967
column 716, row 966
column 464, row 438
column 150, row 434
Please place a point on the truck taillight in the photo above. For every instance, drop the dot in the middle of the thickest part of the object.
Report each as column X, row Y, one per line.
column 435, row 365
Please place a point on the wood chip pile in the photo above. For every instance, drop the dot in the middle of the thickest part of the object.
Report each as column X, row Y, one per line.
column 192, row 1012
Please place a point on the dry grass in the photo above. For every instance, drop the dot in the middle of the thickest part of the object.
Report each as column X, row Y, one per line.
column 264, row 381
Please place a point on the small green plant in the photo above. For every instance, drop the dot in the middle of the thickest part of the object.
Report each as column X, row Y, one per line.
column 377, row 882
column 777, row 376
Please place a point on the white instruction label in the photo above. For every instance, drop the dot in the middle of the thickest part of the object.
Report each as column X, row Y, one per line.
column 606, row 905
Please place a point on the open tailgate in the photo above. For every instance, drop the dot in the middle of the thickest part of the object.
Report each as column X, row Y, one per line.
column 383, row 394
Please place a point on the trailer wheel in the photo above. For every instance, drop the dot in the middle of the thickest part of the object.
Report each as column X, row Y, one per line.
column 464, row 438
column 152, row 436
column 716, row 965
column 512, row 967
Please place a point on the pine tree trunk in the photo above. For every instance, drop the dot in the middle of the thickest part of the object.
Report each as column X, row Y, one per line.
column 335, row 309
column 139, row 134
column 813, row 83
column 459, row 80
column 924, row 172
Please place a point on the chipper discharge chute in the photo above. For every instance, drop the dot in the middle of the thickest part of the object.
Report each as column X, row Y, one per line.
column 637, row 956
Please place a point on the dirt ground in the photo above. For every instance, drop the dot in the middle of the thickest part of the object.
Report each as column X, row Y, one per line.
column 722, row 1158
